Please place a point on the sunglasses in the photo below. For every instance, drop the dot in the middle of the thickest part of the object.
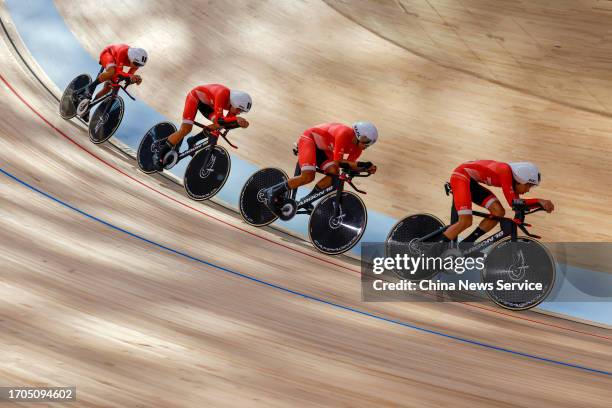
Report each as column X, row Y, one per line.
column 139, row 64
column 364, row 140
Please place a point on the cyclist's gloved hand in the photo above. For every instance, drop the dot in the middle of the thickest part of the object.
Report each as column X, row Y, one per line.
column 364, row 165
column 547, row 205
column 229, row 122
column 369, row 166
column 134, row 79
column 242, row 122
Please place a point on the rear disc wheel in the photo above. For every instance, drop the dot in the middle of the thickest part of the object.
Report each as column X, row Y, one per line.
column 253, row 207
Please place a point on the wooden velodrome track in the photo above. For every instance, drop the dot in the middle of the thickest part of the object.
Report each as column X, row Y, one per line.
column 133, row 325
column 445, row 82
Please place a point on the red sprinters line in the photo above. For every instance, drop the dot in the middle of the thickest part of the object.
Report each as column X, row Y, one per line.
column 250, row 232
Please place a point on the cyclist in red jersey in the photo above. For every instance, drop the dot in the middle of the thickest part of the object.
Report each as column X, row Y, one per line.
column 211, row 100
column 513, row 178
column 114, row 58
column 325, row 146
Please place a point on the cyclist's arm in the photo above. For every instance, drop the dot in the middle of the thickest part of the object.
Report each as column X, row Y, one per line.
column 506, row 185
column 217, row 118
column 351, row 164
column 351, row 160
column 115, row 75
column 357, row 166
column 354, row 154
column 228, row 122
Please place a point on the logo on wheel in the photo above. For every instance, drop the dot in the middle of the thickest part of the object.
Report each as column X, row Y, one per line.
column 156, row 145
column 335, row 222
column 261, row 196
column 518, row 269
column 416, row 246
column 205, row 172
column 101, row 122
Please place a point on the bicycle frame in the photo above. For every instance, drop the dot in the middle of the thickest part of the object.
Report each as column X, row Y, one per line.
column 336, row 185
column 211, row 140
column 307, row 200
column 112, row 94
column 508, row 228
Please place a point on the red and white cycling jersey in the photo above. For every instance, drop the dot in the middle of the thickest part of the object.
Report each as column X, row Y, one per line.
column 489, row 172
column 334, row 140
column 211, row 100
column 116, row 55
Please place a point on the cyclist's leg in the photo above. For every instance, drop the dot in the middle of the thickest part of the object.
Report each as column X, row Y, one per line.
column 102, row 78
column 484, row 198
column 460, row 184
column 107, row 70
column 83, row 107
column 206, row 111
column 329, row 167
column 307, row 162
column 189, row 113
column 497, row 209
column 104, row 91
column 175, row 139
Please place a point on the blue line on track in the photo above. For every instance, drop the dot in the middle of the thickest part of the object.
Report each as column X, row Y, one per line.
column 293, row 292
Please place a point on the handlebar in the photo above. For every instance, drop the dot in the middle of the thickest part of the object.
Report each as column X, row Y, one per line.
column 360, row 172
column 127, row 93
column 521, row 209
column 348, row 174
column 118, row 78
column 223, row 133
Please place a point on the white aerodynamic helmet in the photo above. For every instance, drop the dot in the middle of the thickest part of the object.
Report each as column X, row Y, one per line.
column 526, row 173
column 240, row 100
column 367, row 130
column 137, row 56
